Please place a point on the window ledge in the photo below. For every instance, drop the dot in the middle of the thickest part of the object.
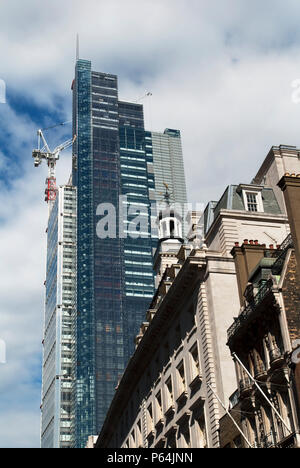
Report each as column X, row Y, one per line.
column 196, row 380
column 182, row 396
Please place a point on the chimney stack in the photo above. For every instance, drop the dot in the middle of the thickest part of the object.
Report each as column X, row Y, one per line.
column 246, row 258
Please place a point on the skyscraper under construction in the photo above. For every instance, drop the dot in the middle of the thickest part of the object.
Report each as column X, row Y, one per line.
column 117, row 167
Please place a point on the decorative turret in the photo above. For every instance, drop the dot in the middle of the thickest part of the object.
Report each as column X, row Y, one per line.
column 169, row 223
column 169, row 219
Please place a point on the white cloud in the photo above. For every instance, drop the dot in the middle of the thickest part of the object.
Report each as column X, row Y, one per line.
column 219, row 71
column 23, row 218
column 18, row 428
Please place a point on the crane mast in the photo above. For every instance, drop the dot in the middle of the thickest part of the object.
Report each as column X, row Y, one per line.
column 43, row 152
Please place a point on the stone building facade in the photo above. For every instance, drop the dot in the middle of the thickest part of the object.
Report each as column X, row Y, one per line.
column 280, row 160
column 169, row 393
column 260, row 339
column 290, row 186
column 266, row 336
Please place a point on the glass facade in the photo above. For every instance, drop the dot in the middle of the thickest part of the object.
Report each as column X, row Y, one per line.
column 137, row 183
column 113, row 166
column 99, row 288
column 168, row 163
column 99, row 269
column 58, row 322
column 114, row 274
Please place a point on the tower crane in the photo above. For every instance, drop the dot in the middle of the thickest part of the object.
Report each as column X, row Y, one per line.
column 148, row 94
column 51, row 157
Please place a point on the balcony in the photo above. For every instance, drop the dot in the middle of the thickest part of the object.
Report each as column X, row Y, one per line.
column 276, row 358
column 268, row 441
column 285, row 246
column 271, row 440
column 249, row 311
column 291, row 441
column 245, row 386
column 260, row 372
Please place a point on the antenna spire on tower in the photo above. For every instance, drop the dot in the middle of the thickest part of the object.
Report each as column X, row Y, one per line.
column 77, row 47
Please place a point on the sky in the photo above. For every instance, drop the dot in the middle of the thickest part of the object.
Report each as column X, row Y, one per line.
column 222, row 71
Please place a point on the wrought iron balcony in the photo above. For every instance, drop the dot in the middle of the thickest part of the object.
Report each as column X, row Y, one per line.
column 276, row 357
column 245, row 387
column 272, row 440
column 285, row 246
column 268, row 441
column 260, row 373
column 291, row 441
column 248, row 311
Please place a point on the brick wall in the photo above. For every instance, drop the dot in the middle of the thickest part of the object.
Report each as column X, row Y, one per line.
column 291, row 295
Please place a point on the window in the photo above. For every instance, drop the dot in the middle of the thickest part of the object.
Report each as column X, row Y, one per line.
column 139, row 438
column 158, row 407
column 158, row 399
column 177, row 336
column 132, row 438
column 252, row 203
column 201, row 440
column 181, row 379
column 166, row 351
column 169, row 387
column 149, row 409
column 171, row 441
column 186, row 439
column 169, row 394
column 172, row 228
column 149, row 417
column 192, row 318
column 195, row 362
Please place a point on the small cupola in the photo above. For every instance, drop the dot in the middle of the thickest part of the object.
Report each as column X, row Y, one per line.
column 169, row 219
column 169, row 224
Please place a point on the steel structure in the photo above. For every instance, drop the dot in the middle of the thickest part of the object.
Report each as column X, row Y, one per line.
column 51, row 157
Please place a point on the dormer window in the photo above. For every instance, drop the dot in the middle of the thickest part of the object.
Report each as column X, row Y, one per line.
column 252, row 201
column 252, row 197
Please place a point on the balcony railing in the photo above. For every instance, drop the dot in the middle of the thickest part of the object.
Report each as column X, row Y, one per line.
column 257, row 299
column 289, row 442
column 276, row 356
column 268, row 441
column 245, row 386
column 285, row 246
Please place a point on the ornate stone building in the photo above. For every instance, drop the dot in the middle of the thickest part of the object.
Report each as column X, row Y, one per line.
column 264, row 339
column 170, row 393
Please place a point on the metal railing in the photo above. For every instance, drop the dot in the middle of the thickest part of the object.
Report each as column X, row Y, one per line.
column 243, row 317
column 264, row 289
column 269, row 440
column 285, row 246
